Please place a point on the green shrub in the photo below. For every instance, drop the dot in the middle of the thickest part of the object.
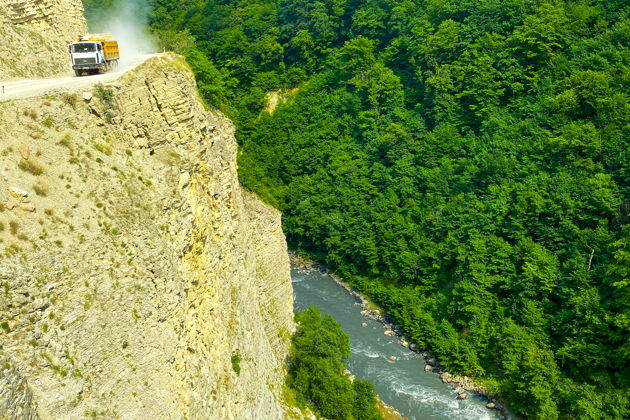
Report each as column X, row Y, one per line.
column 69, row 99
column 40, row 189
column 30, row 167
column 30, row 113
column 104, row 149
column 104, row 94
column 236, row 361
column 14, row 227
column 65, row 141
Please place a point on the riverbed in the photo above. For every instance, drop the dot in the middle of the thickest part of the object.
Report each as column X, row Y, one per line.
column 402, row 384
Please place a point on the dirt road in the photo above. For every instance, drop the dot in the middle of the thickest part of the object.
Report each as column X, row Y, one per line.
column 37, row 87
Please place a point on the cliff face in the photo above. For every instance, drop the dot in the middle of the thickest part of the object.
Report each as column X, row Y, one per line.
column 34, row 36
column 138, row 279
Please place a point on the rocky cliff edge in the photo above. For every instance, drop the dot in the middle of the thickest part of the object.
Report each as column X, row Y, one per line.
column 139, row 280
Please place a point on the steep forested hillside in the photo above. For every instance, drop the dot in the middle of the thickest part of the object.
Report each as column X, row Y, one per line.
column 465, row 162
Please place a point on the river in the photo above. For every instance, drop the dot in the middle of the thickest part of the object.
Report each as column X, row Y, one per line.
column 402, row 384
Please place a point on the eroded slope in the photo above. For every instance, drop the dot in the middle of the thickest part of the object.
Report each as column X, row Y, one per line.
column 34, row 36
column 137, row 275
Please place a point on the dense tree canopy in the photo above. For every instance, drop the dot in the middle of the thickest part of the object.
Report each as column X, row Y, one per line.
column 464, row 162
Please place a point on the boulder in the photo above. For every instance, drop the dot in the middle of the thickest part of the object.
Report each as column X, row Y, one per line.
column 388, row 332
column 462, row 396
column 25, row 151
column 491, row 406
column 18, row 192
column 428, row 368
column 364, row 324
column 87, row 96
column 392, row 358
column 27, row 206
column 184, row 180
column 446, row 378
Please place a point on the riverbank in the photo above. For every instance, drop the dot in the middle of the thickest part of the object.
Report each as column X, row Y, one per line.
column 463, row 386
column 386, row 411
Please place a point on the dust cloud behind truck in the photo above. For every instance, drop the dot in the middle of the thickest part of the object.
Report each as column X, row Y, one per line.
column 94, row 53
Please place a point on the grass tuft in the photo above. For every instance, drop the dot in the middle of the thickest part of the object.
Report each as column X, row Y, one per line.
column 30, row 167
column 40, row 189
column 14, row 227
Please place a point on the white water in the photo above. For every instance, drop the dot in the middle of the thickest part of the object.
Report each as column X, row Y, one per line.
column 403, row 384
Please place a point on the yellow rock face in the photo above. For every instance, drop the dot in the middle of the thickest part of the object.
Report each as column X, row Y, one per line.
column 145, row 269
column 34, row 36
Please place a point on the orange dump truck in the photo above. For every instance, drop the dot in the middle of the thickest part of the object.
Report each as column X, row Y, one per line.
column 94, row 53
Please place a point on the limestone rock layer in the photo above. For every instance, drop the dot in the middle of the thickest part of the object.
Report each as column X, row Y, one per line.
column 138, row 279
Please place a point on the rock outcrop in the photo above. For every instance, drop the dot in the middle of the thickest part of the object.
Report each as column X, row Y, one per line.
column 146, row 283
column 34, row 36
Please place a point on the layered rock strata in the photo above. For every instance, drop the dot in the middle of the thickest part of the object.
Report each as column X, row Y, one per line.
column 34, row 36
column 138, row 279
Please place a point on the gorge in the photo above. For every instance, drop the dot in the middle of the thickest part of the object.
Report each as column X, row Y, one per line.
column 133, row 265
column 464, row 164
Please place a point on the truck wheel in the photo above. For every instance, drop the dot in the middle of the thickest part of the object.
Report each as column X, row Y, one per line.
column 77, row 73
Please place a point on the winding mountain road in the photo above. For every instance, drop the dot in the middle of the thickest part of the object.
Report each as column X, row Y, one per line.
column 20, row 89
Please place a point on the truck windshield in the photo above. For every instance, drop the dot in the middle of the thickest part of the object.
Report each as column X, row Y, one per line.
column 84, row 47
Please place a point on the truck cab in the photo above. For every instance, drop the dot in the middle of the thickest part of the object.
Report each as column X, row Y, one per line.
column 86, row 56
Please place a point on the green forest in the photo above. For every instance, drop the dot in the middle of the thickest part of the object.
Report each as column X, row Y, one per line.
column 465, row 163
column 318, row 372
